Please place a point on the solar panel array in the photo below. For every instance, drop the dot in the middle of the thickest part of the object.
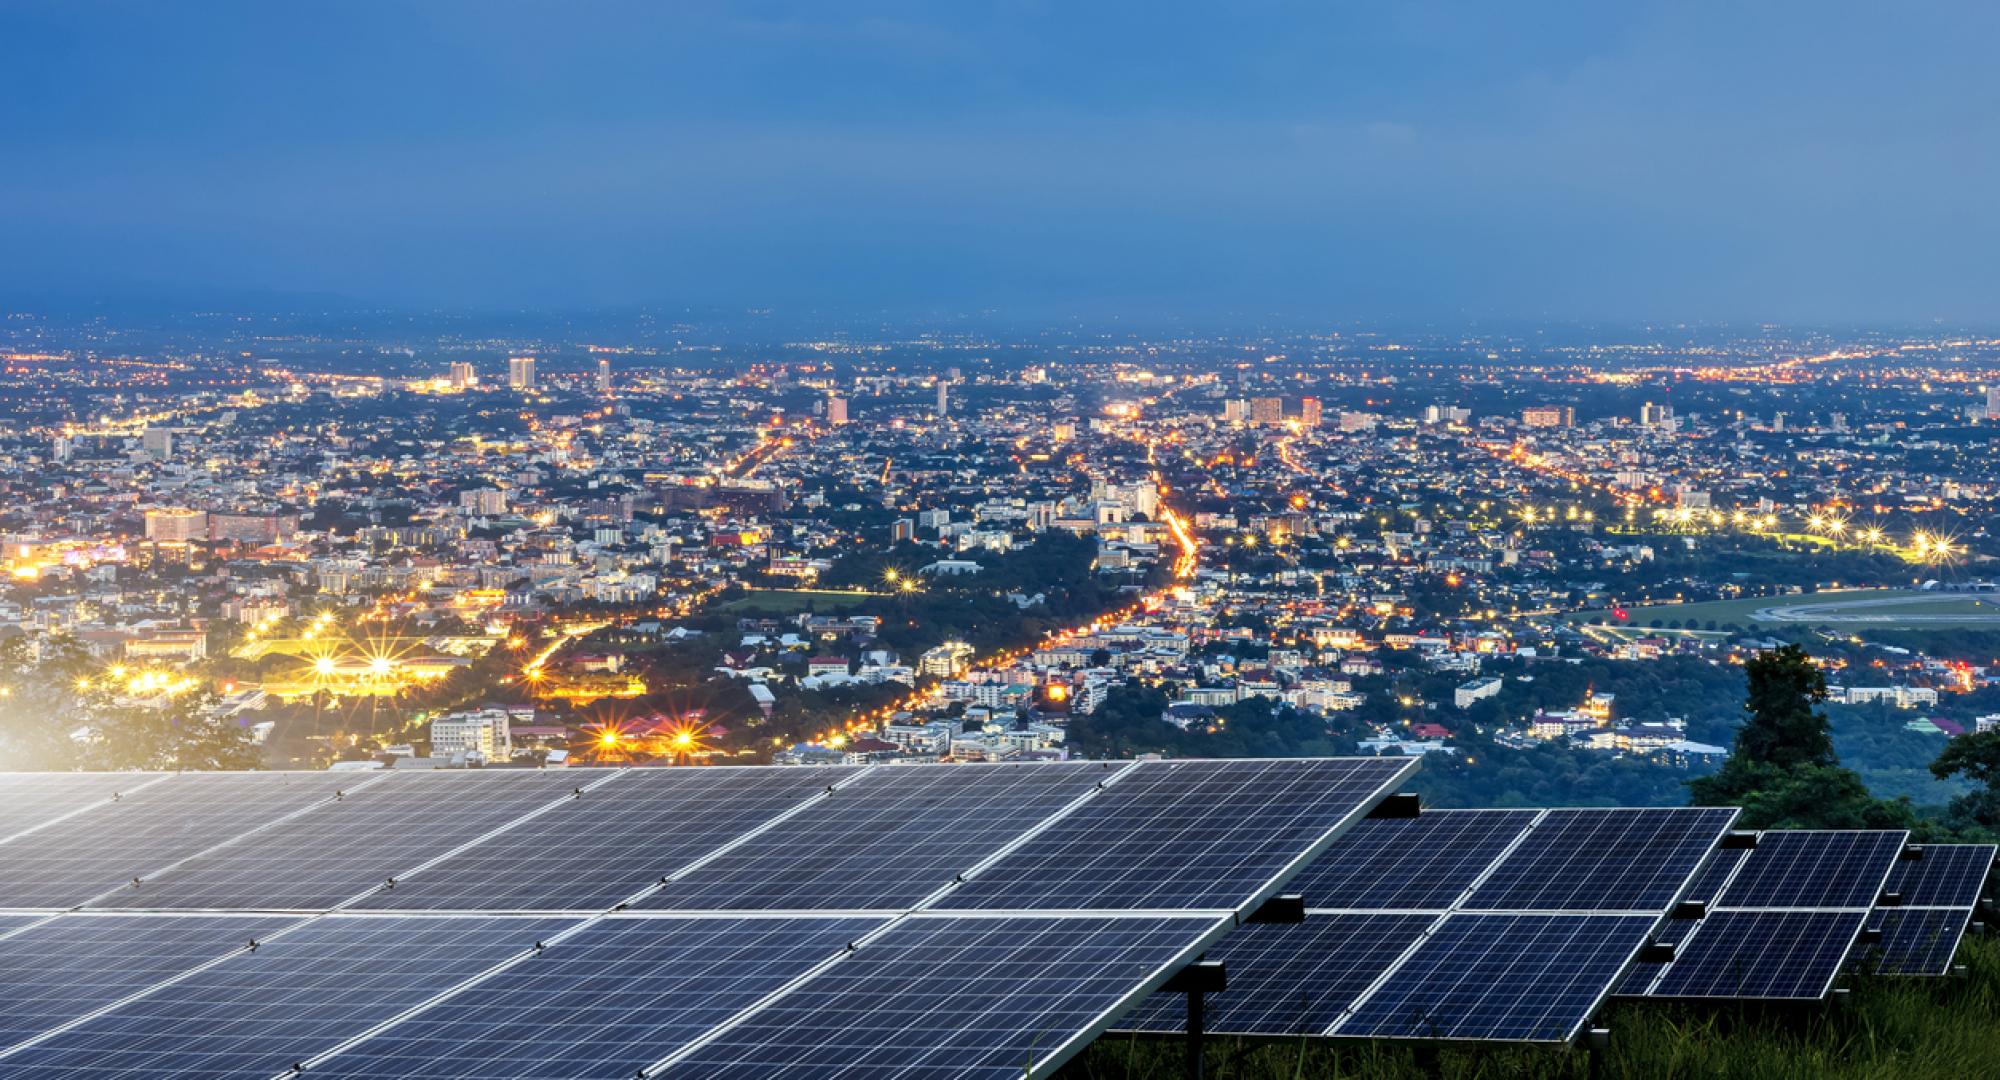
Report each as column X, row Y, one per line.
column 617, row 922
column 1459, row 924
column 1934, row 895
column 1783, row 917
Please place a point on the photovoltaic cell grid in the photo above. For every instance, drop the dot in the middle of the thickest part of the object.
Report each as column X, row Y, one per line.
column 1544, row 966
column 967, row 997
column 1937, row 893
column 612, row 842
column 1815, row 869
column 1948, row 875
column 886, row 841
column 1183, row 835
column 1290, row 978
column 1532, row 978
column 1421, row 863
column 1775, row 955
column 340, row 848
column 1915, row 941
column 1603, row 860
column 603, row 1003
column 333, row 986
column 31, row 800
column 75, row 964
column 73, row 860
column 257, row 1013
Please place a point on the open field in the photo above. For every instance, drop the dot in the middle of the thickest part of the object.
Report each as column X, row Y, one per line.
column 1908, row 1029
column 1880, row 609
column 792, row 601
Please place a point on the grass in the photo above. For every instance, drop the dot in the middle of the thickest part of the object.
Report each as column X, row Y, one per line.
column 1887, row 1029
column 791, row 602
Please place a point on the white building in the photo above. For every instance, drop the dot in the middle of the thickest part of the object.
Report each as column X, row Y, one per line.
column 483, row 732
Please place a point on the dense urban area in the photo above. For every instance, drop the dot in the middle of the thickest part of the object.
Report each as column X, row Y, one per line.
column 1539, row 560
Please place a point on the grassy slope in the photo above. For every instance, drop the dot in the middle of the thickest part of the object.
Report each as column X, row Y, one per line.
column 1889, row 1029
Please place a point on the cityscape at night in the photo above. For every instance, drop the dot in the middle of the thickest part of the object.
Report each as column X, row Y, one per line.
column 968, row 542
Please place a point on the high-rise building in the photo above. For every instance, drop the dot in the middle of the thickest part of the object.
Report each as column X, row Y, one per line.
column 1357, row 421
column 836, row 410
column 1548, row 416
column 1656, row 416
column 158, row 443
column 171, row 524
column 520, row 373
column 1267, row 411
column 462, row 375
column 1235, row 411
column 603, row 376
column 902, row 529
column 1309, row 412
column 1993, row 402
column 944, row 399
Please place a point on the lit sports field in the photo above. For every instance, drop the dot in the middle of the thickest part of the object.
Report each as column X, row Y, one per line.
column 1882, row 609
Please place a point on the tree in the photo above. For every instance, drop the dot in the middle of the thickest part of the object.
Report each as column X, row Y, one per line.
column 1782, row 769
column 1975, row 757
column 1785, row 728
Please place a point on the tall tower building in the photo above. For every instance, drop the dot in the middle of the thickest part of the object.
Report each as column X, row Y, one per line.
column 836, row 411
column 158, row 443
column 1235, row 411
column 944, row 399
column 520, row 373
column 604, row 376
column 462, row 376
column 1309, row 412
column 1267, row 411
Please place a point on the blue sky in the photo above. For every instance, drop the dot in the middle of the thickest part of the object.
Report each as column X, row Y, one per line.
column 1772, row 160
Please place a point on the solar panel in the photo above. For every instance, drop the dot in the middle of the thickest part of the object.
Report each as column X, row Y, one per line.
column 1761, row 954
column 1948, row 875
column 1708, row 885
column 1419, row 863
column 1290, row 978
column 1639, row 978
column 1915, row 941
column 76, row 964
column 603, row 1003
column 35, row 799
column 1815, row 869
column 258, row 1013
column 80, row 857
column 1184, row 835
column 972, row 997
column 886, row 841
column 1603, row 860
column 338, row 849
column 614, row 841
column 1523, row 978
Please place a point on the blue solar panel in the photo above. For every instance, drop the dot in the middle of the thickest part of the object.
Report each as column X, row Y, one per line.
column 1640, row 978
column 35, row 799
column 256, row 1014
column 1183, row 835
column 1709, row 884
column 1424, row 862
column 1603, row 860
column 604, row 1003
column 1915, row 941
column 1762, row 954
column 76, row 964
column 1815, row 869
column 1290, row 978
column 966, row 997
column 338, row 850
column 1948, row 875
column 616, row 839
column 1524, row 978
column 80, row 857
column 885, row 841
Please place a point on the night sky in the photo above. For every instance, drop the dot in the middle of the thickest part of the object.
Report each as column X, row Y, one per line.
column 1741, row 161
